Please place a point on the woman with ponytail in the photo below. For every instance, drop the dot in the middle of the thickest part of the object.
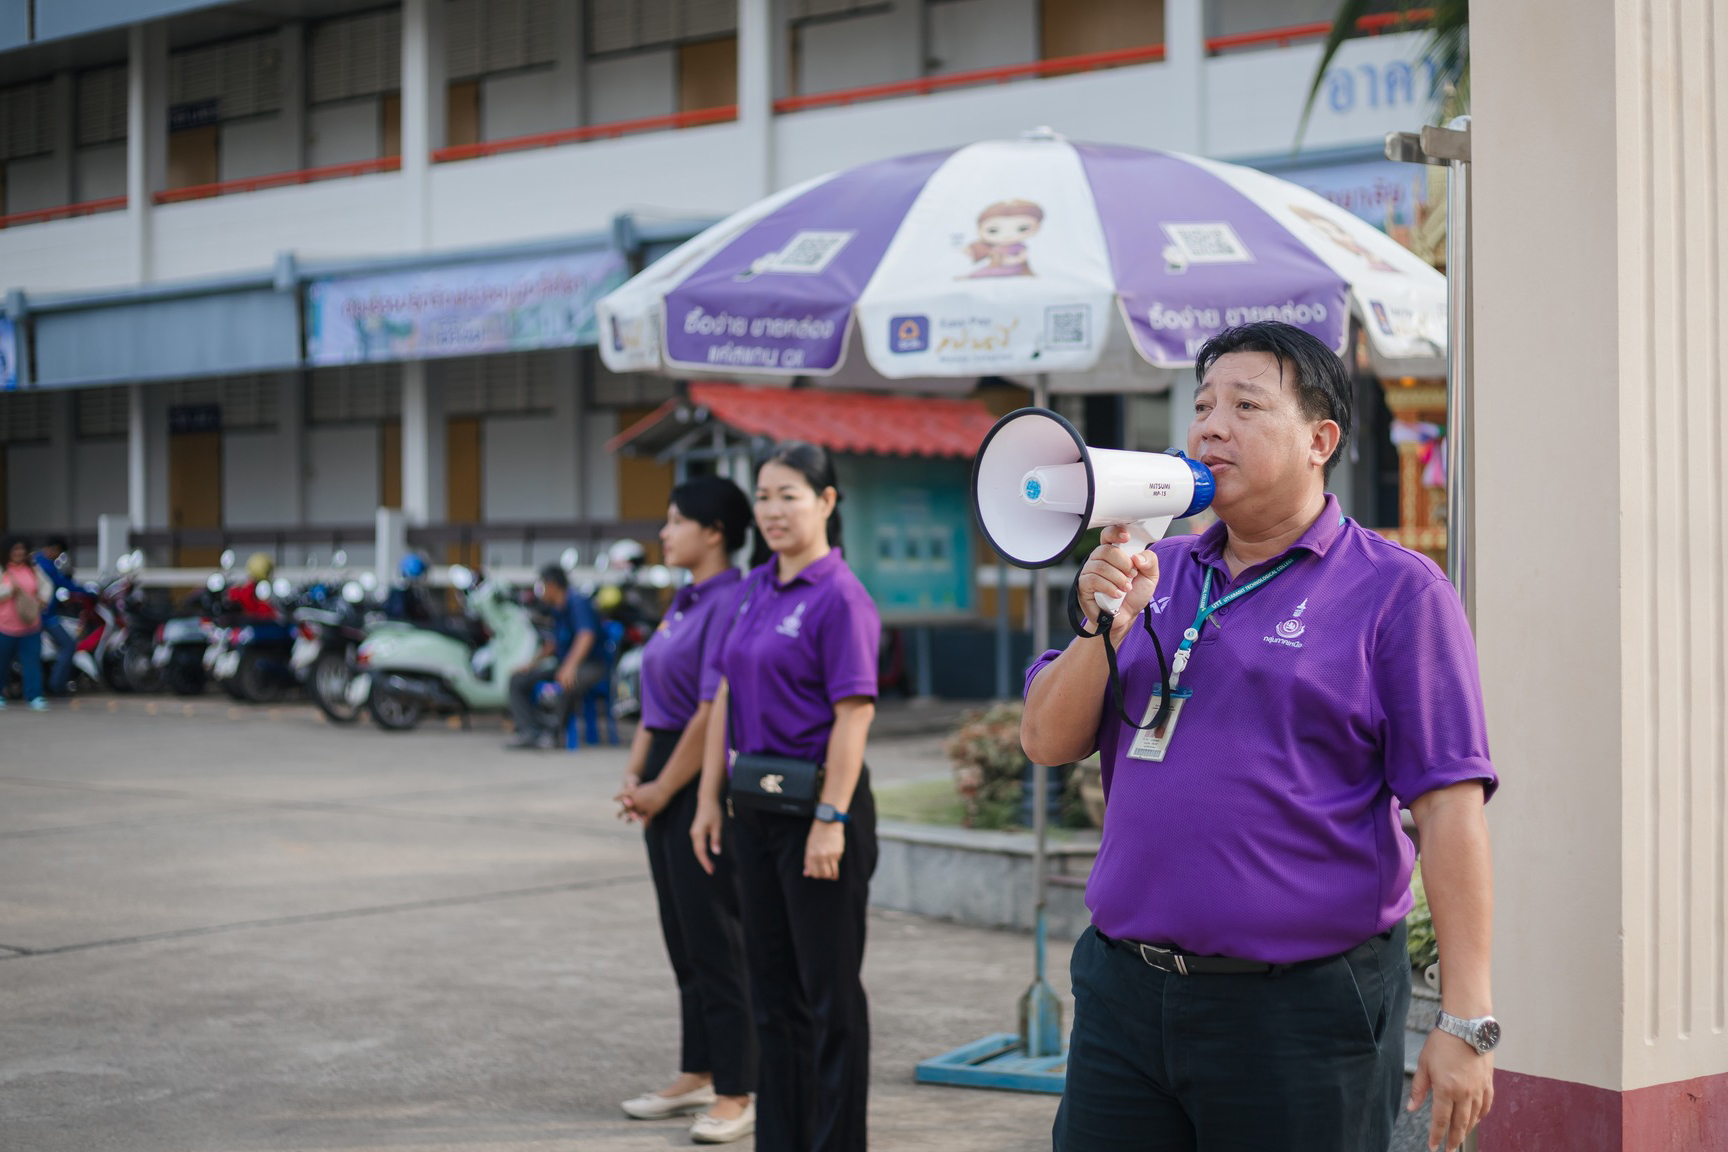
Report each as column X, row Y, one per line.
column 706, row 523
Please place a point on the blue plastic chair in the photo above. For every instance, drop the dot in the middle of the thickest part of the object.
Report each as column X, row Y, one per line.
column 597, row 701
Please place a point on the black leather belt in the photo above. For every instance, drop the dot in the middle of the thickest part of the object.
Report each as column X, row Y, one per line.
column 1179, row 963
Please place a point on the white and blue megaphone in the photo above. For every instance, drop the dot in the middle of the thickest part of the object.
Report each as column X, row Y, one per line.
column 1037, row 488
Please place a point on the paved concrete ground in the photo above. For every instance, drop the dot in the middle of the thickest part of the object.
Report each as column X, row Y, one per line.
column 243, row 930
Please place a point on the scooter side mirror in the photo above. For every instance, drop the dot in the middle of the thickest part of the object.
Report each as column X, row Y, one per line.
column 215, row 583
column 282, row 588
column 569, row 558
column 353, row 592
column 461, row 577
column 369, row 581
column 264, row 590
column 340, row 559
column 227, row 559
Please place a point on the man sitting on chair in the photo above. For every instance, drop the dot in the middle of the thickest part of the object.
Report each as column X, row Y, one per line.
column 575, row 661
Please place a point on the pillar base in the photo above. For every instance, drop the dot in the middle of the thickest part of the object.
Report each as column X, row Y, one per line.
column 1536, row 1114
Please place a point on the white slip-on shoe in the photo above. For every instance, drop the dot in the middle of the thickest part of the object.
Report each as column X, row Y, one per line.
column 653, row 1106
column 710, row 1130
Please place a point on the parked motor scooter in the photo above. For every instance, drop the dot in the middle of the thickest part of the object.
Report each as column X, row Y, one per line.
column 251, row 658
column 140, row 620
column 404, row 672
column 329, row 632
column 184, row 638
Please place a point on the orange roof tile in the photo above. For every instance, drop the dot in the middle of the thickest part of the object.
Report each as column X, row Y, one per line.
column 858, row 423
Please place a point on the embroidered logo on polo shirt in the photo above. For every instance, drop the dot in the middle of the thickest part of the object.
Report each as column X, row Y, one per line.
column 1159, row 603
column 790, row 626
column 1290, row 629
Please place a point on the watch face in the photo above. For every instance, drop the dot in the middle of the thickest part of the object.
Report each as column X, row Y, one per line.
column 1487, row 1035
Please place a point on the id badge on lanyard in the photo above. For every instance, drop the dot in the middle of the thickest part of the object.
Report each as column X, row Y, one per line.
column 1151, row 743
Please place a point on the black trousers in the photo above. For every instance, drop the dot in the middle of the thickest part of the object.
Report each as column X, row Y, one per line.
column 704, row 939
column 1308, row 1060
column 806, row 947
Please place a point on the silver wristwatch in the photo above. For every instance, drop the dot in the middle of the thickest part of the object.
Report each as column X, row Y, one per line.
column 1481, row 1033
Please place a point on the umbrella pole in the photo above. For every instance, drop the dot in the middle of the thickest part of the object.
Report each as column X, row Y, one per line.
column 1040, row 1012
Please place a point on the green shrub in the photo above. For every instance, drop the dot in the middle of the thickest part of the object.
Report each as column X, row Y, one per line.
column 988, row 764
column 1424, row 949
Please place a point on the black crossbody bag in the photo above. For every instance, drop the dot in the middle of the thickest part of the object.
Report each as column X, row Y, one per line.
column 777, row 784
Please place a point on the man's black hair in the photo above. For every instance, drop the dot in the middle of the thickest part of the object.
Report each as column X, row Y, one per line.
column 555, row 576
column 57, row 541
column 715, row 502
column 1323, row 387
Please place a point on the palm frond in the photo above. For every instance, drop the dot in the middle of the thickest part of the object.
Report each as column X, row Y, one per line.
column 1448, row 47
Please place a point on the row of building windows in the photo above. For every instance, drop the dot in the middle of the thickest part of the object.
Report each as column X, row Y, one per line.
column 471, row 386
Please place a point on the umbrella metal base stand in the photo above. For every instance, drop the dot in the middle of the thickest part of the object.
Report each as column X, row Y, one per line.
column 1035, row 1059
column 1032, row 1060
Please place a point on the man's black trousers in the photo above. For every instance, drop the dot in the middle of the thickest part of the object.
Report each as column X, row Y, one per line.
column 805, row 939
column 1307, row 1060
column 704, row 938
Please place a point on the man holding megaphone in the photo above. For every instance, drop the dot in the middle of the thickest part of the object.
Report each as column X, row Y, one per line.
column 1244, row 983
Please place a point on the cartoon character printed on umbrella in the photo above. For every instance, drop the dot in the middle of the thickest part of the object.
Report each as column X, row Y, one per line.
column 1334, row 232
column 1003, row 229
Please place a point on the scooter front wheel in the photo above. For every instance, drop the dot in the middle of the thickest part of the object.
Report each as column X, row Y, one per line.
column 140, row 671
column 255, row 681
column 328, row 684
column 393, row 711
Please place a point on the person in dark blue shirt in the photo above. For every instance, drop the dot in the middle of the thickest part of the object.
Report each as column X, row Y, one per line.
column 58, row 578
column 575, row 661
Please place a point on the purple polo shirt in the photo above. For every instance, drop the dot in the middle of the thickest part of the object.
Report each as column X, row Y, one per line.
column 795, row 650
column 1323, row 701
column 677, row 655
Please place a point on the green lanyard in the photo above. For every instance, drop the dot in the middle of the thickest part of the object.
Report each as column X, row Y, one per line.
column 1186, row 649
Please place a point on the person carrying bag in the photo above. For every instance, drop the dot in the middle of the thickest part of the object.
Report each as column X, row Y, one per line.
column 21, row 596
column 796, row 688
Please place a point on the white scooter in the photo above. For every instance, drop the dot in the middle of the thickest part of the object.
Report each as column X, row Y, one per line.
column 403, row 672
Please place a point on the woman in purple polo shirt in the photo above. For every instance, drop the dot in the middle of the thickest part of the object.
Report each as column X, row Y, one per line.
column 798, row 680
column 706, row 523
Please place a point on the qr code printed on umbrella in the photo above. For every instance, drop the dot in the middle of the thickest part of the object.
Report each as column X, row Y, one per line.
column 807, row 253
column 1208, row 243
column 1069, row 326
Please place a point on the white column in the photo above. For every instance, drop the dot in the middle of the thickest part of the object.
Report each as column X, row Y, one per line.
column 1185, row 55
column 417, row 446
column 137, row 458
column 113, row 540
column 146, row 134
column 423, row 108
column 1600, row 466
column 756, row 90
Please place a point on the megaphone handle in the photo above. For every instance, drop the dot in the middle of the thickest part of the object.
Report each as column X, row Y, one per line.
column 1145, row 533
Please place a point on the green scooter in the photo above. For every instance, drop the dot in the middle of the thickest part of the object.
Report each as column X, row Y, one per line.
column 403, row 672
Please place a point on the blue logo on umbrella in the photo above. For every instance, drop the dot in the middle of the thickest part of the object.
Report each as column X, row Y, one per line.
column 909, row 334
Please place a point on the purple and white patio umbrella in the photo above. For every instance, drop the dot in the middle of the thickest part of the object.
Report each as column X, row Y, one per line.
column 1104, row 267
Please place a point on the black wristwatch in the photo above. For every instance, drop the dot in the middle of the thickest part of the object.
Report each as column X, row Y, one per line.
column 829, row 814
